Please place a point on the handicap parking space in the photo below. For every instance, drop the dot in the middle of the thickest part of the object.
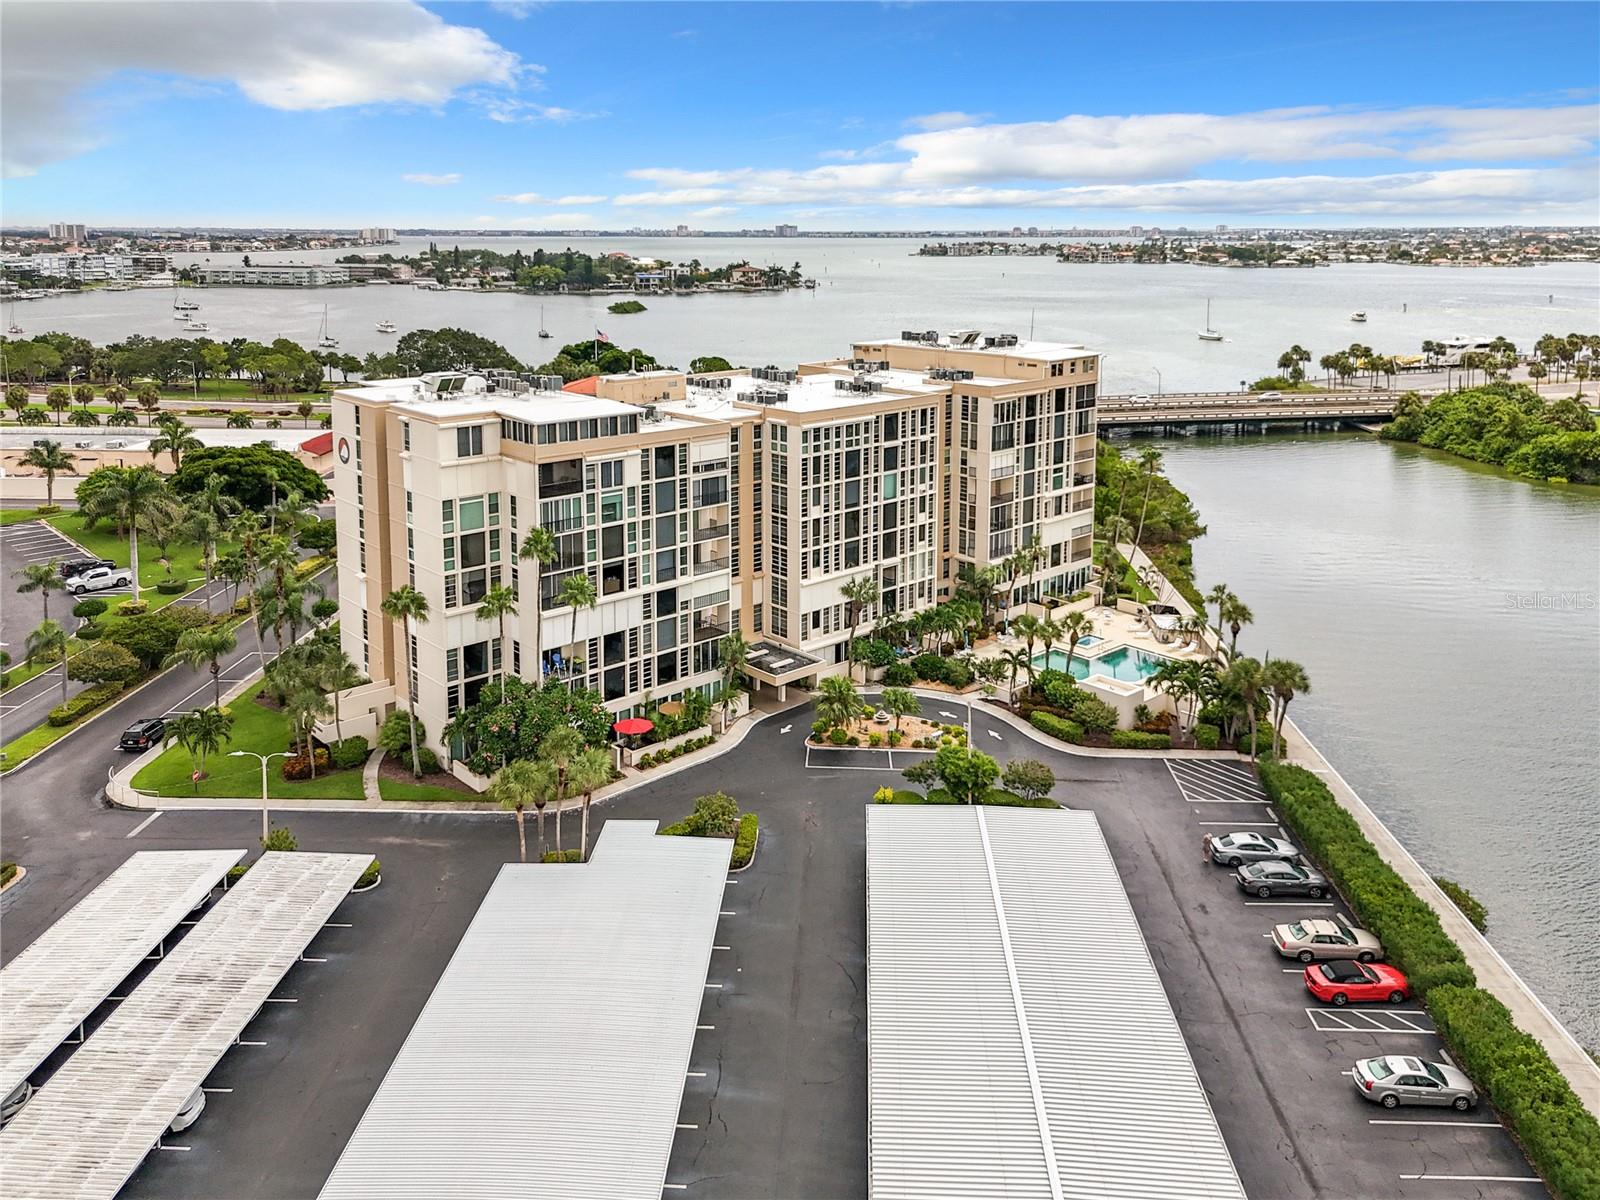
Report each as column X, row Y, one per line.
column 1207, row 782
column 1349, row 1019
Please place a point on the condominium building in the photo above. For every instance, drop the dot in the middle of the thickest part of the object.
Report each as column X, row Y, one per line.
column 68, row 232
column 87, row 268
column 276, row 275
column 376, row 235
column 698, row 504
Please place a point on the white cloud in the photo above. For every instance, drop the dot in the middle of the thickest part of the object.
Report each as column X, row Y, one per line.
column 301, row 57
column 716, row 210
column 510, row 110
column 569, row 200
column 536, row 198
column 945, row 120
column 427, row 180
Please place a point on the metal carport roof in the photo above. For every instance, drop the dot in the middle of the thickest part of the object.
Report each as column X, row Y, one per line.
column 550, row 1059
column 54, row 985
column 91, row 1125
column 1019, row 1041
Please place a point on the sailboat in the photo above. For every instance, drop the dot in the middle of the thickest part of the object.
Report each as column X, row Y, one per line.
column 14, row 330
column 327, row 341
column 543, row 332
column 181, row 307
column 1209, row 334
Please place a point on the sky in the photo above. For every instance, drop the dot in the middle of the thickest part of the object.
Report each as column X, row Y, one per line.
column 521, row 115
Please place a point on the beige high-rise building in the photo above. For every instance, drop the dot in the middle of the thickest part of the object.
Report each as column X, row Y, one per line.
column 698, row 504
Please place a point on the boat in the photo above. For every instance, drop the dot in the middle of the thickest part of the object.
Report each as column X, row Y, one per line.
column 387, row 327
column 197, row 327
column 327, row 341
column 1359, row 317
column 187, row 306
column 1209, row 334
column 543, row 332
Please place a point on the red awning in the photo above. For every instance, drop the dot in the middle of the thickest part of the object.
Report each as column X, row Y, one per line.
column 633, row 726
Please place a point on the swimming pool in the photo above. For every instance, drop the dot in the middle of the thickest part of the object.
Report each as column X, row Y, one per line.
column 1127, row 663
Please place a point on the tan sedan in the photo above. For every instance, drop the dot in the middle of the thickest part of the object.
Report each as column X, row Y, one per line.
column 1324, row 938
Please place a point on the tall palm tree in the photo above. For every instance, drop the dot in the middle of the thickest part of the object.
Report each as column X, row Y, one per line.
column 202, row 732
column 733, row 654
column 1015, row 661
column 902, row 702
column 205, row 521
column 837, row 701
column 1237, row 614
column 149, row 398
column 1117, row 530
column 860, row 595
column 1246, row 677
column 58, row 400
column 498, row 603
column 176, row 438
column 590, row 770
column 1218, row 595
column 514, row 787
column 1028, row 627
column 49, row 640
column 408, row 606
column 335, row 673
column 130, row 497
column 50, row 460
column 205, row 647
column 44, row 578
column 1150, row 464
column 1284, row 680
column 558, row 749
column 577, row 591
column 116, row 396
column 538, row 547
column 1075, row 626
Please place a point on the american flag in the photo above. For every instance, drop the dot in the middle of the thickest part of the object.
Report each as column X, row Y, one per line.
column 600, row 336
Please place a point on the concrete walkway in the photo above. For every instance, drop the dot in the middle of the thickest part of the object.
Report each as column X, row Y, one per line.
column 369, row 777
column 1495, row 975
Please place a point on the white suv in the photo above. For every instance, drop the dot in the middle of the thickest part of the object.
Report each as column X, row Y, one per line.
column 98, row 579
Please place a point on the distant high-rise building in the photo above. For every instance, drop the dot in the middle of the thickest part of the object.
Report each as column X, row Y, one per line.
column 683, row 231
column 1033, row 231
column 69, row 233
column 1135, row 230
column 786, row 230
column 1222, row 229
column 377, row 235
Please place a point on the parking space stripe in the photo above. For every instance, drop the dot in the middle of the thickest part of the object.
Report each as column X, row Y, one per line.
column 1480, row 1178
column 142, row 825
column 1238, row 824
column 1290, row 903
column 1444, row 1124
column 1192, row 788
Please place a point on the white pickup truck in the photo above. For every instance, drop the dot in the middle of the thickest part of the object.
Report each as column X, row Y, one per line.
column 98, row 579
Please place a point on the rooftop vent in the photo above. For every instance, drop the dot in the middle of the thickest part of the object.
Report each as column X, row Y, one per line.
column 949, row 373
column 772, row 374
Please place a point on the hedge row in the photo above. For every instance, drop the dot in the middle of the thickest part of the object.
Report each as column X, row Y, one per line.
column 1134, row 739
column 1207, row 737
column 1409, row 929
column 744, row 842
column 645, row 761
column 1057, row 727
column 8, row 872
column 994, row 797
column 1560, row 1136
column 565, row 856
column 84, row 703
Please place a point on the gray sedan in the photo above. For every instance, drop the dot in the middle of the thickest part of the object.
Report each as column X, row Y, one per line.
column 1236, row 849
column 1274, row 878
column 1397, row 1079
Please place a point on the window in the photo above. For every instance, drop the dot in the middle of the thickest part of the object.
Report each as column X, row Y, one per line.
column 405, row 435
column 469, row 441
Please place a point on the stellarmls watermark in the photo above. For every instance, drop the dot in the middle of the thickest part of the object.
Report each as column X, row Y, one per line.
column 1555, row 601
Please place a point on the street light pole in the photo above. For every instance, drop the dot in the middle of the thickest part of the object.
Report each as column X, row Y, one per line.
column 1157, row 370
column 265, row 758
column 194, row 375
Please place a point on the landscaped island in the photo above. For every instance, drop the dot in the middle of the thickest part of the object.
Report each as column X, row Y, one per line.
column 1507, row 425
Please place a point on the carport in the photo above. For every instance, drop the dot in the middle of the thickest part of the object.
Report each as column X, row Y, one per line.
column 89, row 1128
column 49, row 990
column 778, row 666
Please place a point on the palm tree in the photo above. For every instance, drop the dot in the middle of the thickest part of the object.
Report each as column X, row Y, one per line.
column 1049, row 635
column 1015, row 661
column 206, row 520
column 407, row 605
column 239, row 419
column 558, row 749
column 1075, row 625
column 149, row 398
column 1150, row 464
column 837, row 702
column 733, row 654
column 304, row 703
column 176, row 438
column 205, row 647
column 292, row 507
column 49, row 640
column 860, row 594
column 50, row 460
column 498, row 603
column 116, row 396
column 201, row 732
column 1117, row 530
column 577, row 591
column 1028, row 627
column 129, row 497
column 1236, row 613
column 58, row 400
column 43, row 578
column 514, row 787
column 1245, row 676
column 1218, row 595
column 902, row 702
column 591, row 769
column 335, row 673
column 1284, row 681
column 538, row 547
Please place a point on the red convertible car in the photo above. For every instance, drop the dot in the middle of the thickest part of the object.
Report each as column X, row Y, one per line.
column 1342, row 981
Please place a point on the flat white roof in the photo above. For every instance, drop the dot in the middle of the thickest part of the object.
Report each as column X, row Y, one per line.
column 54, row 985
column 550, row 1059
column 1019, row 1041
column 91, row 1125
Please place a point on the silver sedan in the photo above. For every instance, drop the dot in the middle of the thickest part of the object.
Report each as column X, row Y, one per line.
column 1397, row 1079
column 1326, row 938
column 1274, row 878
column 1236, row 849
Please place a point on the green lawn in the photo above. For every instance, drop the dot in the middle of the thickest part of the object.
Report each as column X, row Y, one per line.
column 103, row 542
column 17, row 516
column 392, row 789
column 263, row 730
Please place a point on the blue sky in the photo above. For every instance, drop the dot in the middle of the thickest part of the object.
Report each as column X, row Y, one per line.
column 830, row 116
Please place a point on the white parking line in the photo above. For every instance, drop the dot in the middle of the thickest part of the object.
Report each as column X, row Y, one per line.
column 1201, row 787
column 1444, row 1124
column 1239, row 824
column 142, row 825
column 1196, row 800
column 1290, row 903
column 1480, row 1178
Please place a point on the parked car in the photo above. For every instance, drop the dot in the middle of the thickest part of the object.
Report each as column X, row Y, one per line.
column 1325, row 937
column 98, row 579
column 143, row 733
column 1397, row 1079
column 77, row 566
column 1343, row 981
column 1269, row 395
column 1273, row 877
column 190, row 1112
column 12, row 1104
column 1236, row 849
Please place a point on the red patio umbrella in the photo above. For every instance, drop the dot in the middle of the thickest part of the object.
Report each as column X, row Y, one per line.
column 633, row 726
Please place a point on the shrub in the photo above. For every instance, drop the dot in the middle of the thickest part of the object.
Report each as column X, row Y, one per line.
column 1560, row 1136
column 103, row 663
column 1029, row 778
column 939, row 796
column 1057, row 727
column 324, row 609
column 714, row 815
column 1133, row 739
column 895, row 737
column 1471, row 907
column 838, row 736
column 873, row 652
column 564, row 856
column 89, row 632
column 370, row 875
column 884, row 795
column 1207, row 737
column 280, row 838
column 819, row 730
column 899, row 675
column 852, row 740
column 8, row 872
column 1094, row 715
column 90, row 608
column 929, row 666
column 237, row 873
column 172, row 587
column 85, row 702
column 132, row 608
column 395, row 736
column 874, row 739
column 299, row 767
column 318, row 534
column 427, row 760
column 956, row 673
column 744, row 841
column 351, row 752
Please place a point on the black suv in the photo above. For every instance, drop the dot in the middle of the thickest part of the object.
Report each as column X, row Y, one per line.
column 77, row 566
column 143, row 734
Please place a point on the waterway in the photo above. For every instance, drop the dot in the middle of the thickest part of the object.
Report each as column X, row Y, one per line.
column 1449, row 619
column 1144, row 318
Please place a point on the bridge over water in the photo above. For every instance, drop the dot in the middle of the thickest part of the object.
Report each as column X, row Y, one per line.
column 1246, row 410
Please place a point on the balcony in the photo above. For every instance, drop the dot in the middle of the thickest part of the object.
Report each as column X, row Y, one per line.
column 707, row 533
column 706, row 630
column 706, row 566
